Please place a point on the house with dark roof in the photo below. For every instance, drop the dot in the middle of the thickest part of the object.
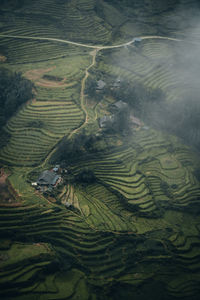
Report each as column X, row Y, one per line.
column 118, row 106
column 137, row 41
column 48, row 178
column 117, row 83
column 56, row 168
column 106, row 121
column 135, row 121
column 100, row 85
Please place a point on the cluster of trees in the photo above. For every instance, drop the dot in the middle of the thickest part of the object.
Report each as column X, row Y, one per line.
column 86, row 176
column 90, row 88
column 137, row 96
column 150, row 5
column 121, row 122
column 14, row 91
column 134, row 93
column 12, row 3
column 76, row 148
column 181, row 118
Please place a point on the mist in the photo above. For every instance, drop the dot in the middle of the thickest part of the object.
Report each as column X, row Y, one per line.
column 179, row 112
column 180, row 116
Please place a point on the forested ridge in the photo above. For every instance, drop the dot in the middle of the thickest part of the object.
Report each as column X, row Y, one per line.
column 14, row 91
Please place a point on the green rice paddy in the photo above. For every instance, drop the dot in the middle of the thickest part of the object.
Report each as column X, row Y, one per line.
column 136, row 229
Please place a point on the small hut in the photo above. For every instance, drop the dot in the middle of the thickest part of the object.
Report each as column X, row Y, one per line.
column 100, row 85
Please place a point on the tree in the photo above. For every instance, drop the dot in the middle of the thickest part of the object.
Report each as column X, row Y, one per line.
column 14, row 91
column 85, row 176
column 137, row 95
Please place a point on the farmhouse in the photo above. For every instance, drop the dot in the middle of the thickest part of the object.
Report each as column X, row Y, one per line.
column 48, row 178
column 135, row 121
column 118, row 106
column 100, row 85
column 137, row 41
column 117, row 83
column 106, row 121
column 56, row 168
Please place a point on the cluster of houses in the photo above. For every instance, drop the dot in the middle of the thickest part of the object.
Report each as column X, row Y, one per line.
column 116, row 84
column 100, row 86
column 48, row 179
column 107, row 121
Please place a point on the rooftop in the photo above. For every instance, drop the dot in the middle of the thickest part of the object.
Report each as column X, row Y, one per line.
column 47, row 178
column 100, row 85
column 106, row 121
column 137, row 40
column 117, row 82
column 119, row 105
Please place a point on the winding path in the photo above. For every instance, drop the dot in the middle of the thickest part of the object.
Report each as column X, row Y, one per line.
column 82, row 97
column 97, row 47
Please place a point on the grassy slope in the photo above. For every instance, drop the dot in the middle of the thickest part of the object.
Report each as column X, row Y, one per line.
column 127, row 214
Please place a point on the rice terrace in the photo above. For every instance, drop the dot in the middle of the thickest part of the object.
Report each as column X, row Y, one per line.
column 99, row 151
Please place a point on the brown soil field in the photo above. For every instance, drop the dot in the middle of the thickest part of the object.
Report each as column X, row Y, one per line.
column 5, row 195
column 2, row 58
column 37, row 77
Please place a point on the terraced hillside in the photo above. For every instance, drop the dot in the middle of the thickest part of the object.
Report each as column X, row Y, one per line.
column 158, row 246
column 146, row 176
column 133, row 232
column 153, row 63
column 69, row 19
column 39, row 125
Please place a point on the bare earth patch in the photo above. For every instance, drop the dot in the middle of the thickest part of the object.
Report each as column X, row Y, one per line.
column 51, row 83
column 3, row 177
column 3, row 58
column 37, row 74
column 6, row 199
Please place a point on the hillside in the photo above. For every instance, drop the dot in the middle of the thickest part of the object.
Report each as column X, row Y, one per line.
column 123, row 222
